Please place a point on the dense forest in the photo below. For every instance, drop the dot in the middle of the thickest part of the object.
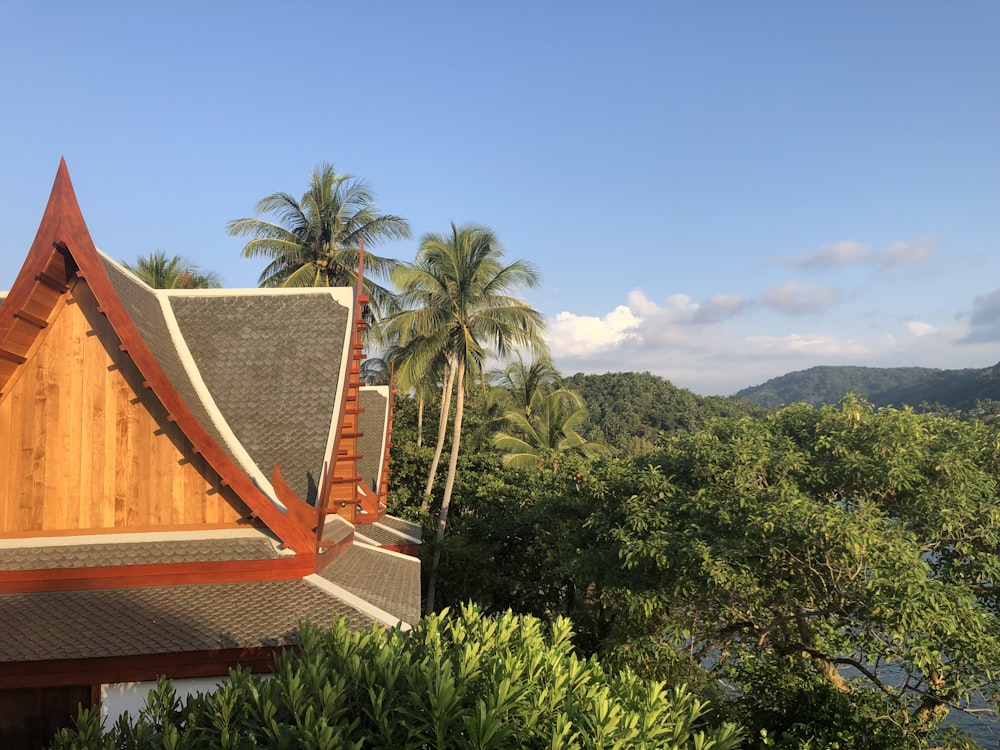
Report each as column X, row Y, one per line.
column 960, row 390
column 784, row 555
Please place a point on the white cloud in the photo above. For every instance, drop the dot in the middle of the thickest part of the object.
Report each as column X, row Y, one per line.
column 903, row 254
column 796, row 298
column 719, row 308
column 715, row 347
column 920, row 329
column 834, row 255
column 583, row 335
column 849, row 252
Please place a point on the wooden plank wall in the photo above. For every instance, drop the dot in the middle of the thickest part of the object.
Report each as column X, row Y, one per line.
column 85, row 446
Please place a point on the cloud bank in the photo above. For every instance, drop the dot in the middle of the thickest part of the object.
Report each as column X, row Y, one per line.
column 725, row 343
column 840, row 254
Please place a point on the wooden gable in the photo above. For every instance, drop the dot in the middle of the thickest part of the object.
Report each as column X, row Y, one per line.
column 87, row 447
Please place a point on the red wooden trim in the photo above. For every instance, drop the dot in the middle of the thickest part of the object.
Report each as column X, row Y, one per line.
column 303, row 515
column 166, row 574
column 333, row 550
column 140, row 668
column 51, row 282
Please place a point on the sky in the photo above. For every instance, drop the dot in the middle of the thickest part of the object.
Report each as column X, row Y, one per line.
column 714, row 192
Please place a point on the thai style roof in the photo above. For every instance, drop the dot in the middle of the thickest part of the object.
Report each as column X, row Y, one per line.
column 187, row 470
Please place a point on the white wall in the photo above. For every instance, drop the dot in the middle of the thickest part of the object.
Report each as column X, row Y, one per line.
column 121, row 697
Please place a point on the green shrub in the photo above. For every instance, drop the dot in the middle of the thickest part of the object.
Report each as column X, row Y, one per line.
column 463, row 681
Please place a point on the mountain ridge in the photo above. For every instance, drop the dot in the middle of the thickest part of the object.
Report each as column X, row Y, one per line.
column 883, row 386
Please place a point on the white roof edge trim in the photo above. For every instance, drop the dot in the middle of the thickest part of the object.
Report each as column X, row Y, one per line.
column 214, row 413
column 344, row 295
column 365, row 540
column 345, row 358
column 398, row 555
column 357, row 602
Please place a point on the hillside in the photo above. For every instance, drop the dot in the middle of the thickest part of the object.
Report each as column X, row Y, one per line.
column 883, row 386
column 629, row 409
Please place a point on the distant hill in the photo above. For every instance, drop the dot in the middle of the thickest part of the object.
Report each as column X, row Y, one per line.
column 883, row 386
column 630, row 410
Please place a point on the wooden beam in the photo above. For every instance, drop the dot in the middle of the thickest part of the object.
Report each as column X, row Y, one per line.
column 32, row 319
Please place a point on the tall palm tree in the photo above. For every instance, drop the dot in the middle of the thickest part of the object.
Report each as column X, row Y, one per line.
column 316, row 241
column 456, row 301
column 161, row 272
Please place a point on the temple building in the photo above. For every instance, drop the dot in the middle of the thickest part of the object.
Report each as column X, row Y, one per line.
column 185, row 476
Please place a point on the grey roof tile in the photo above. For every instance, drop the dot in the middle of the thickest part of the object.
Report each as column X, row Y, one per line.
column 136, row 553
column 272, row 364
column 389, row 581
column 375, row 402
column 383, row 535
column 407, row 527
column 163, row 619
column 336, row 529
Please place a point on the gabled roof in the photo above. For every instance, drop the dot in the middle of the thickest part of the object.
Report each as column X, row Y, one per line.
column 255, row 379
column 255, row 394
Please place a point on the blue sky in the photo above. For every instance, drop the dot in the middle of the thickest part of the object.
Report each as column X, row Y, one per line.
column 716, row 192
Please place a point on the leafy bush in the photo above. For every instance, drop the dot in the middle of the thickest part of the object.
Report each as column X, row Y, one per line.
column 464, row 681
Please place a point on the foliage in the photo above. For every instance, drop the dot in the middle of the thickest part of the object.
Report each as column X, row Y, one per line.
column 464, row 681
column 840, row 559
column 316, row 241
column 456, row 305
column 160, row 272
column 551, row 428
column 538, row 416
column 819, row 541
column 954, row 390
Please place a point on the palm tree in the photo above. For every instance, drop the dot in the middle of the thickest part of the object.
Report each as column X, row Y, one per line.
column 316, row 241
column 549, row 427
column 456, row 302
column 520, row 383
column 161, row 272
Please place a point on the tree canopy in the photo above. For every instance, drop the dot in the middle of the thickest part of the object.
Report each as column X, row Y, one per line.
column 316, row 240
column 177, row 272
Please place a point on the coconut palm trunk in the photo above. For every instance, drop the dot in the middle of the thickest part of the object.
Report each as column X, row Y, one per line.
column 449, row 382
column 449, row 486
